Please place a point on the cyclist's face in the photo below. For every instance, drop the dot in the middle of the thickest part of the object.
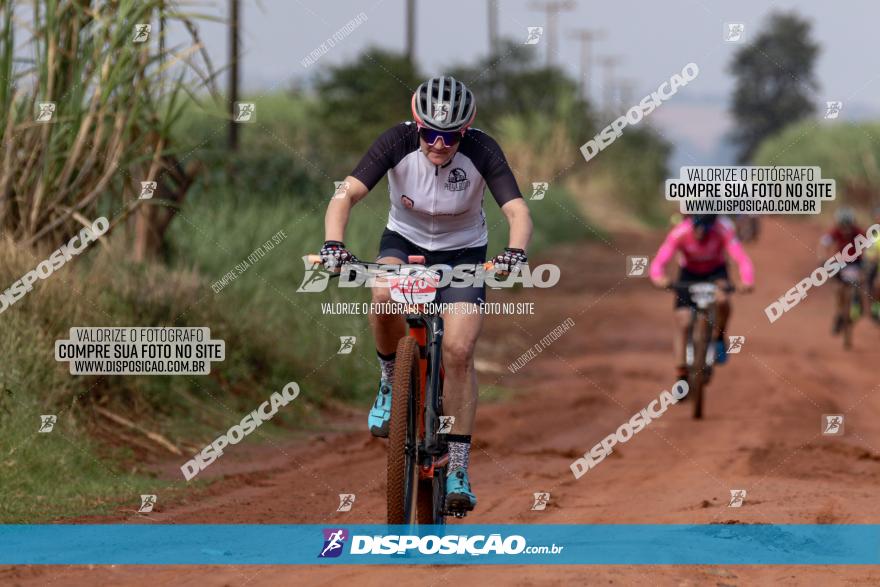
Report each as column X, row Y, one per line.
column 438, row 153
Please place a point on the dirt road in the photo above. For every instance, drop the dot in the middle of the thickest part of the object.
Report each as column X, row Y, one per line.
column 762, row 433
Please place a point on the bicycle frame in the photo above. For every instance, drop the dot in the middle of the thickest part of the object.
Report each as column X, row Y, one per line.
column 704, row 310
column 851, row 282
column 703, row 316
column 427, row 330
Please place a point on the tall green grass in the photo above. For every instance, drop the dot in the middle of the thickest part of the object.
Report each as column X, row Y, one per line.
column 846, row 152
column 114, row 106
column 100, row 288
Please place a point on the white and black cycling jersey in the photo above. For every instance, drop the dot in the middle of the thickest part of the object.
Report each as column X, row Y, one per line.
column 438, row 208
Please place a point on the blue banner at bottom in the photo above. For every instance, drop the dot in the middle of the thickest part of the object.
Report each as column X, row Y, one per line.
column 617, row 544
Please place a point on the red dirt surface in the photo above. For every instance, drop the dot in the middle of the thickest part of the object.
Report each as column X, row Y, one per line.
column 761, row 433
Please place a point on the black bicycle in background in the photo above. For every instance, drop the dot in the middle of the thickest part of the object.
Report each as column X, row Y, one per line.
column 700, row 352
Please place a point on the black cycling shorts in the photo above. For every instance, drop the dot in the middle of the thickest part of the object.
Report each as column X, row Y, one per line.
column 857, row 262
column 393, row 244
column 683, row 296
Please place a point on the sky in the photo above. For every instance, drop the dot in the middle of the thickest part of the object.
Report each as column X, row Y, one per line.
column 652, row 39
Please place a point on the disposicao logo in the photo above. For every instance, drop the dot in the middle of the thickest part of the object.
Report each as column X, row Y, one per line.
column 334, row 539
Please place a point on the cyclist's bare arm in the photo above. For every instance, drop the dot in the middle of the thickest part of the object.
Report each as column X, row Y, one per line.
column 520, row 221
column 665, row 254
column 349, row 193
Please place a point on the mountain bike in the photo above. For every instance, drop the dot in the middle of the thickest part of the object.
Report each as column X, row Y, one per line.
column 851, row 300
column 700, row 353
column 418, row 453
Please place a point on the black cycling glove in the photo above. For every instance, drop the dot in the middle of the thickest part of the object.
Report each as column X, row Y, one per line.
column 509, row 260
column 334, row 254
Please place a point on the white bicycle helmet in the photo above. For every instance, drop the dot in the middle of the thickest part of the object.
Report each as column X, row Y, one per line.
column 444, row 104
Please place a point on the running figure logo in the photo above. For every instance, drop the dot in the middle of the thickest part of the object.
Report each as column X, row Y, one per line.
column 333, row 541
column 315, row 279
column 148, row 188
column 446, row 424
column 832, row 424
column 141, row 33
column 539, row 189
column 45, row 111
column 346, row 500
column 147, row 503
column 735, row 344
column 441, row 111
column 541, row 501
column 341, row 189
column 245, row 112
column 535, row 33
column 832, row 109
column 47, row 423
column 734, row 32
column 737, row 496
column 636, row 266
column 346, row 345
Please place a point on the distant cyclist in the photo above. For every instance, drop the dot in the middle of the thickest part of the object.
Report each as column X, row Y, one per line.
column 872, row 260
column 438, row 168
column 840, row 236
column 704, row 244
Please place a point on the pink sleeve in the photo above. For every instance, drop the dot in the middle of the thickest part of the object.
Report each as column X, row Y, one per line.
column 664, row 255
column 743, row 262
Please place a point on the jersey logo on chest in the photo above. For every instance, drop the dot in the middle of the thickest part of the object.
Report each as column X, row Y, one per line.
column 457, row 180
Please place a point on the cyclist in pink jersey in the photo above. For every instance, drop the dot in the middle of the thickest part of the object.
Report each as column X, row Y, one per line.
column 704, row 244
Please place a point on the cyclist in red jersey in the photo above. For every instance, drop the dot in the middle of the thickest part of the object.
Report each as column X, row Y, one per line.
column 841, row 235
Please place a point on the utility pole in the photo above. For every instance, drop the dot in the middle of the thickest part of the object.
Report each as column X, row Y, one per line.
column 608, row 62
column 233, row 72
column 492, row 6
column 626, row 86
column 551, row 9
column 411, row 31
column 585, row 37
column 493, row 27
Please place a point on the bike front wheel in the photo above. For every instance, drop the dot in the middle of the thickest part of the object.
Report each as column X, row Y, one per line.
column 403, row 468
column 702, row 331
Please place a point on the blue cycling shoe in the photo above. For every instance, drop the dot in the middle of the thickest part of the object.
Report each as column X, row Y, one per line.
column 458, row 491
column 380, row 413
column 720, row 352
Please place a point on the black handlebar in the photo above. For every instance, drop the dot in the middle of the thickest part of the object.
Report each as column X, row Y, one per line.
column 727, row 288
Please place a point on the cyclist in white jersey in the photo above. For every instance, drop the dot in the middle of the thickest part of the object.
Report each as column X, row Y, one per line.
column 438, row 168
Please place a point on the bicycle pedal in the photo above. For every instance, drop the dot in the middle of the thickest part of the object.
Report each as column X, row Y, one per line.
column 454, row 513
column 460, row 509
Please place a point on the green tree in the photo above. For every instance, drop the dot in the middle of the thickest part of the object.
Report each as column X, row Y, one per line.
column 511, row 82
column 775, row 82
column 362, row 98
